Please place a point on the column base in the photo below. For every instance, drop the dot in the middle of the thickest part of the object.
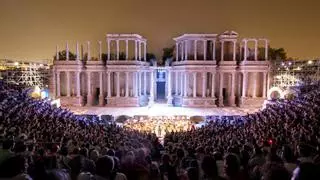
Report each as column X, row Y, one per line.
column 169, row 100
column 151, row 101
column 220, row 101
column 80, row 100
column 232, row 100
column 101, row 101
column 89, row 100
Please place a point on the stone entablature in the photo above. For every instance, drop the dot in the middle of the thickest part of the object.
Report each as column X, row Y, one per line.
column 206, row 81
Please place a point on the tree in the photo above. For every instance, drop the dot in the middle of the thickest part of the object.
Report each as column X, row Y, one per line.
column 150, row 56
column 63, row 55
column 277, row 54
column 167, row 53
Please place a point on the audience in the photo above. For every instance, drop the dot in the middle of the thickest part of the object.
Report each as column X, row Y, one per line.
column 40, row 141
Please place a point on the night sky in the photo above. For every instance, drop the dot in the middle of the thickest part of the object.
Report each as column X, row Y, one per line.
column 30, row 29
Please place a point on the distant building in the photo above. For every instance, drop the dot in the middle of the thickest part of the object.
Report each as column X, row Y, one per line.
column 208, row 70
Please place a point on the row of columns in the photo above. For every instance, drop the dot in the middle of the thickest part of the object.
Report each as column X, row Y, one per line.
column 182, row 85
column 182, row 47
column 138, row 88
column 137, row 51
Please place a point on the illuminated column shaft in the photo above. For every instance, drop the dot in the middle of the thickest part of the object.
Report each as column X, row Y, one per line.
column 169, row 84
column 135, row 84
column 77, row 52
column 204, row 49
column 109, row 47
column 194, row 84
column 68, row 83
column 145, row 51
column 221, row 89
column 177, row 83
column 78, row 84
column 266, row 50
column 244, row 86
column 57, row 53
column 127, row 84
column 185, row 84
column 109, row 83
column 140, row 83
column 245, row 50
column 222, row 50
column 118, row 83
column 195, row 49
column 135, row 50
column 265, row 74
column 89, row 83
column 118, row 49
column 151, row 86
column 214, row 49
column 256, row 50
column 182, row 51
column 101, row 95
column 181, row 83
column 186, row 49
column 145, row 83
column 254, row 76
column 177, row 51
column 67, row 51
column 213, row 85
column 204, row 80
column 58, row 84
column 139, row 50
column 54, row 83
column 100, row 50
column 88, row 53
column 234, row 50
column 127, row 49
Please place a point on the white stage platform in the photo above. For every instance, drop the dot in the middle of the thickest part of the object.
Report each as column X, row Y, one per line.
column 162, row 110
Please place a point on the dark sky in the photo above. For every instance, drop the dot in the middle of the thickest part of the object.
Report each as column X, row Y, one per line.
column 30, row 29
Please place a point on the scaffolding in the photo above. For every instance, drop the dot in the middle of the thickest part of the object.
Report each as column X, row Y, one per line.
column 24, row 73
column 287, row 74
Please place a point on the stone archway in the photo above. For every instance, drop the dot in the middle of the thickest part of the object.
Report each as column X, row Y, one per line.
column 275, row 93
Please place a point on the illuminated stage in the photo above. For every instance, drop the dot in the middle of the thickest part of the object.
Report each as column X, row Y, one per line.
column 162, row 110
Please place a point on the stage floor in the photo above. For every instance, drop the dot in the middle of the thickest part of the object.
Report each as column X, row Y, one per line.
column 162, row 110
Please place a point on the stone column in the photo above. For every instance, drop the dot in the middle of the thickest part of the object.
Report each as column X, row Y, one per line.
column 145, row 51
column 127, row 49
column 118, row 49
column 186, row 49
column 169, row 97
column 256, row 50
column 109, row 84
column 254, row 93
column 89, row 95
column 109, row 55
column 177, row 51
column 222, row 50
column 266, row 50
column 68, row 83
column 185, row 84
column 136, row 84
column 136, row 50
column 204, row 80
column 194, row 88
column 100, row 50
column 118, row 83
column 140, row 83
column 195, row 49
column 58, row 84
column 151, row 98
column 57, row 53
column 77, row 52
column 182, row 51
column 232, row 96
column 78, row 83
column 181, row 83
column 54, row 82
column 127, row 84
column 264, row 90
column 214, row 49
column 204, row 49
column 88, row 51
column 67, row 51
column 213, row 85
column 245, row 50
column 145, row 83
column 101, row 95
column 221, row 89
column 139, row 50
column 176, row 83
column 234, row 50
column 244, row 85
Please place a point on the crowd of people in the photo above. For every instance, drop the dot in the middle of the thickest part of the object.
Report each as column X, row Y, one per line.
column 159, row 125
column 43, row 142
